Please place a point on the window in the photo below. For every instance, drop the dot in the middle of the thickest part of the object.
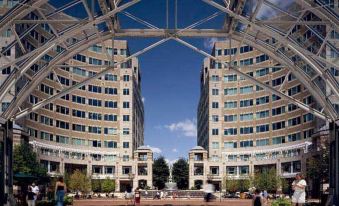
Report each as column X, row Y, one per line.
column 215, row 78
column 94, row 61
column 215, row 91
column 62, row 139
column 4, row 106
column 79, row 71
column 262, row 72
column 33, row 116
column 245, row 49
column 246, row 130
column 78, row 113
column 263, row 128
column 246, row 117
column 230, row 131
column 232, row 104
column 230, row 144
column 294, row 90
column 308, row 133
column 275, row 98
column 230, row 78
column 94, row 116
column 230, row 91
column 230, row 118
column 294, row 137
column 308, row 117
column 49, row 107
column 46, row 136
column 278, row 81
column 292, row 107
column 46, row 120
column 111, row 117
column 262, row 100
column 79, row 127
column 94, row 130
column 244, row 62
column 215, row 131
column 291, row 77
column 110, row 131
column 93, row 88
column 294, row 121
column 111, row 104
column 215, row 145
column 263, row 114
column 125, row 144
column 262, row 142
column 244, row 170
column 218, row 52
column 111, row 77
column 62, row 110
column 112, row 91
column 96, row 48
column 261, row 58
column 80, row 58
column 215, row 105
column 231, row 170
column 33, row 99
column 94, row 102
column 215, row 118
column 62, row 124
column 46, row 89
column 110, row 144
column 246, row 90
column 126, row 78
column 278, row 140
column 278, row 111
column 125, row 91
column 125, row 131
column 125, row 118
column 63, row 80
column 278, row 125
column 6, row 70
column 308, row 100
column 246, row 143
column 246, row 103
column 125, row 105
column 78, row 99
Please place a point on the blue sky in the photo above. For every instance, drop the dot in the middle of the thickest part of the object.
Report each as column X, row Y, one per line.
column 170, row 77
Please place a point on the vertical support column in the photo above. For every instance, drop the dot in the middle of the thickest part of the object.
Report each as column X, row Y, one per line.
column 334, row 163
column 62, row 162
column 279, row 167
column 48, row 166
column 6, row 149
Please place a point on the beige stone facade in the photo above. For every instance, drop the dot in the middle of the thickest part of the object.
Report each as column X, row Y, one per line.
column 244, row 128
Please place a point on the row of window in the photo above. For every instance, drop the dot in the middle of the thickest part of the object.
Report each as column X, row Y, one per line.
column 232, row 51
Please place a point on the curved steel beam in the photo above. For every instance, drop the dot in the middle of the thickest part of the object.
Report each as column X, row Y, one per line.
column 286, row 42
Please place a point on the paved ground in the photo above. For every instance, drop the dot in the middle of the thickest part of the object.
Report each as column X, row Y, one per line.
column 185, row 202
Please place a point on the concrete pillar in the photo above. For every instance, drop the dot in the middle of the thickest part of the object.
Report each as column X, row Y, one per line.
column 62, row 163
column 48, row 166
column 6, row 172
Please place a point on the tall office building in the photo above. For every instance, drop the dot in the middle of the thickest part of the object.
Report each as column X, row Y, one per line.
column 243, row 129
column 98, row 128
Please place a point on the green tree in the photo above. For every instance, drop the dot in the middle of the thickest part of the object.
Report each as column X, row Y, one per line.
column 267, row 180
column 25, row 161
column 96, row 185
column 79, row 181
column 180, row 173
column 231, row 184
column 160, row 172
column 108, row 185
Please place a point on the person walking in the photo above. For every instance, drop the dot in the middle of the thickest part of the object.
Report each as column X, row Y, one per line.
column 208, row 189
column 60, row 190
column 30, row 197
column 257, row 199
column 35, row 190
column 299, row 186
column 137, row 196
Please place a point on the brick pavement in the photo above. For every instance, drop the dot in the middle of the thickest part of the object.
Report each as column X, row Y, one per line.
column 182, row 202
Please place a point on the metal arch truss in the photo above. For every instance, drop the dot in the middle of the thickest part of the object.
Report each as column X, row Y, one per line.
column 87, row 32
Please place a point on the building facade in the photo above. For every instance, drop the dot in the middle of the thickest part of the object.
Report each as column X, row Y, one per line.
column 244, row 129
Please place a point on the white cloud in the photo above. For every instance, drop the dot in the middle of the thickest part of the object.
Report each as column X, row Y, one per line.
column 174, row 150
column 187, row 127
column 155, row 149
column 143, row 99
column 209, row 42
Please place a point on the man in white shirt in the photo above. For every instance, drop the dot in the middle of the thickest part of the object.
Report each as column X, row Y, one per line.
column 35, row 190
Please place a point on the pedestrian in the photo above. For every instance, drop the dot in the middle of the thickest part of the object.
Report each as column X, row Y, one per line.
column 60, row 190
column 35, row 190
column 30, row 197
column 257, row 199
column 208, row 189
column 129, row 195
column 299, row 195
column 137, row 196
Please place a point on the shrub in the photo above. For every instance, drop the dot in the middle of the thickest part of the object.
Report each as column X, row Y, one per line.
column 281, row 202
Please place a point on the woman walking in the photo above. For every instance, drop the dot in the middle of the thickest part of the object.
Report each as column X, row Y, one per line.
column 299, row 195
column 60, row 190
